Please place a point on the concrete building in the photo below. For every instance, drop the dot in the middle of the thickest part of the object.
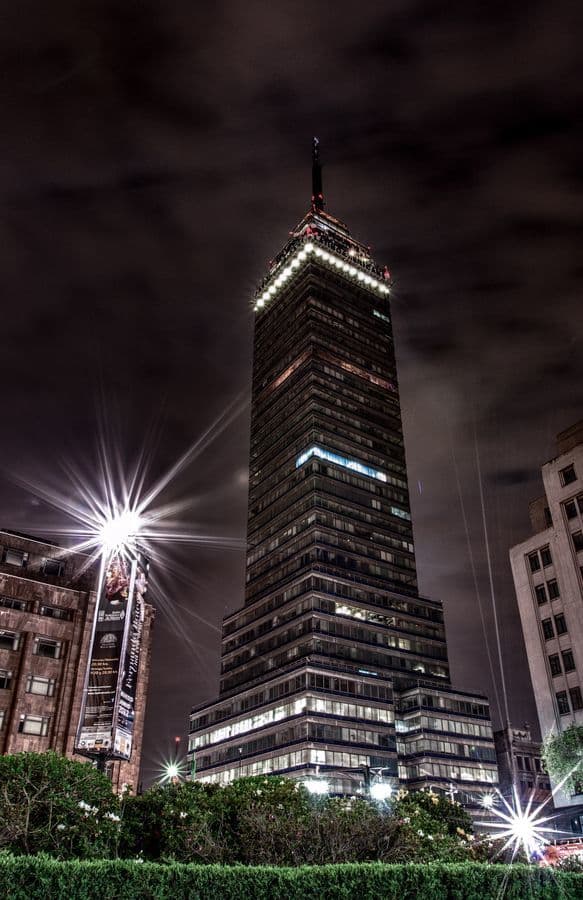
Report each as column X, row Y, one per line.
column 47, row 603
column 333, row 627
column 520, row 765
column 547, row 572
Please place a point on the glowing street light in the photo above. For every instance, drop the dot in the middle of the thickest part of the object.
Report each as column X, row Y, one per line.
column 317, row 786
column 523, row 828
column 381, row 791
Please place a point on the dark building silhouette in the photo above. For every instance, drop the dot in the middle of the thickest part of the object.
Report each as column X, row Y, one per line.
column 333, row 627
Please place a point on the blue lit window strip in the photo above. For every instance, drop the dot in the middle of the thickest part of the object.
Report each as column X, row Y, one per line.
column 351, row 464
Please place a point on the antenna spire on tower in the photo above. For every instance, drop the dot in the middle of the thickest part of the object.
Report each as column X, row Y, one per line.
column 317, row 191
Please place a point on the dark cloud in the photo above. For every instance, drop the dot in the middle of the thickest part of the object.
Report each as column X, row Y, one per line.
column 155, row 157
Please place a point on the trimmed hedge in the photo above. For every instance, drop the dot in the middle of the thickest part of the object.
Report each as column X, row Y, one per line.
column 32, row 877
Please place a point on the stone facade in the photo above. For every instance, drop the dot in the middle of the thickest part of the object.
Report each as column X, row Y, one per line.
column 47, row 602
column 547, row 572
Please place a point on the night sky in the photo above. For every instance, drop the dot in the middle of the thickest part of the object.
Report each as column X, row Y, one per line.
column 154, row 158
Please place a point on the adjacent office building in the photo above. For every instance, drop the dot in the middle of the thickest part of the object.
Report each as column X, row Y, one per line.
column 520, row 766
column 47, row 605
column 334, row 642
column 548, row 577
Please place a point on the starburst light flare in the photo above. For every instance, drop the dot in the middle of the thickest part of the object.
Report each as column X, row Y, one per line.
column 116, row 512
column 522, row 828
column 173, row 771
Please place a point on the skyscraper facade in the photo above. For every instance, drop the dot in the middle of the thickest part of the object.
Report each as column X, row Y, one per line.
column 333, row 624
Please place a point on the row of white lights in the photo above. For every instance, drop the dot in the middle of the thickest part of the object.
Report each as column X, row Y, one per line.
column 380, row 790
column 335, row 262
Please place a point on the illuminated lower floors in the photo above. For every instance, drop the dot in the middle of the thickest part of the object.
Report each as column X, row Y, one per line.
column 348, row 732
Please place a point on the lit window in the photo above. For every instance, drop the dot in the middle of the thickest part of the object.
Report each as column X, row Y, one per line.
column 338, row 460
column 5, row 679
column 46, row 647
column 563, row 703
column 35, row 684
column 568, row 475
column 568, row 660
column 15, row 557
column 38, row 725
column 555, row 664
column 9, row 640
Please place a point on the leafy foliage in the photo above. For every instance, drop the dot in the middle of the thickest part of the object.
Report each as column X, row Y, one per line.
column 563, row 756
column 275, row 821
column 36, row 878
column 54, row 805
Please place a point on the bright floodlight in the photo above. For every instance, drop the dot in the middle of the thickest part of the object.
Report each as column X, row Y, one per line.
column 488, row 801
column 172, row 770
column 120, row 530
column 317, row 785
column 523, row 828
column 381, row 790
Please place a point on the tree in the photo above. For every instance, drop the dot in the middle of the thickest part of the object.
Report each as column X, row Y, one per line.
column 563, row 756
column 55, row 805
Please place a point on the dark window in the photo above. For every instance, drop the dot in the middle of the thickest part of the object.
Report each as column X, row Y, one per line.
column 553, row 589
column 571, row 509
column 541, row 594
column 555, row 664
column 560, row 624
column 15, row 557
column 563, row 703
column 568, row 660
column 576, row 698
column 5, row 679
column 46, row 647
column 577, row 540
column 580, row 503
column 53, row 567
column 548, row 629
column 545, row 555
column 568, row 475
column 57, row 612
column 11, row 603
column 9, row 640
column 520, row 762
column 534, row 562
column 548, row 517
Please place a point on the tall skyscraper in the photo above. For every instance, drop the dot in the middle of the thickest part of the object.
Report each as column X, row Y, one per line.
column 548, row 578
column 333, row 625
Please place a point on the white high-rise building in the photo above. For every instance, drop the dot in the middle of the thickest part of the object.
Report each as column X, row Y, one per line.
column 548, row 577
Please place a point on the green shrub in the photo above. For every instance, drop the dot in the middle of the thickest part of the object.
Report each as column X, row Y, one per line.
column 38, row 878
column 55, row 805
